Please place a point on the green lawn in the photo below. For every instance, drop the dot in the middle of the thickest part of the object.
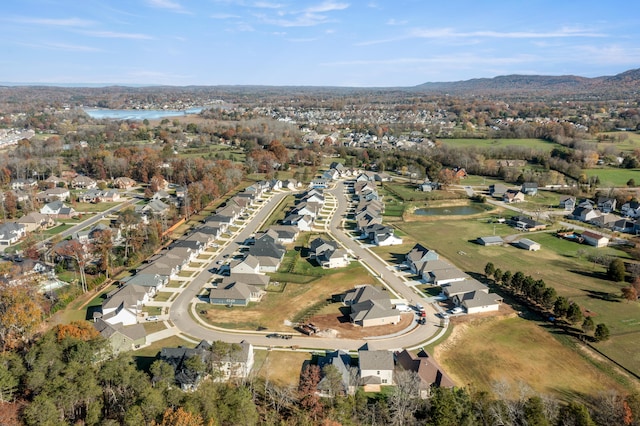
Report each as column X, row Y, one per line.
column 162, row 296
column 56, row 229
column 279, row 212
column 94, row 208
column 499, row 143
column 614, row 176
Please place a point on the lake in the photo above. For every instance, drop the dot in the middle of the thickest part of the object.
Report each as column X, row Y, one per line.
column 450, row 211
column 137, row 114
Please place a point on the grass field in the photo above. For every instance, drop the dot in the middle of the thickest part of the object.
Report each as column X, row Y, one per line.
column 515, row 350
column 94, row 208
column 614, row 176
column 560, row 263
column 499, row 143
column 629, row 142
column 280, row 367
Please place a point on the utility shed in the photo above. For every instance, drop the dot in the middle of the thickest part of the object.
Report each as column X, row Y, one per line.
column 528, row 244
column 490, row 241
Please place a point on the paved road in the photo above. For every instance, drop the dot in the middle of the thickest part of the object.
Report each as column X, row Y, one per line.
column 182, row 310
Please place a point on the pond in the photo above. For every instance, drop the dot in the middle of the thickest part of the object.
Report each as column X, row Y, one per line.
column 450, row 210
column 137, row 114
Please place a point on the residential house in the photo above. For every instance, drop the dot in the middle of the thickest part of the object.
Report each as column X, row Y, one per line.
column 631, row 209
column 152, row 282
column 269, row 254
column 154, row 208
column 478, row 301
column 252, row 279
column 427, row 369
column 375, row 369
column 462, row 287
column 291, row 184
column 584, row 213
column 331, row 174
column 624, row 225
column 319, row 183
column 606, row 204
column 247, row 265
column 301, row 222
column 124, row 182
column 513, row 196
column 83, row 182
column 11, row 233
column 121, row 338
column 286, row 234
column 445, row 276
column 54, row 181
column 235, row 294
column 525, row 223
column 529, row 188
column 497, row 190
column 341, row 360
column 417, row 256
column 123, row 305
column 58, row 209
column 185, row 377
column 35, row 221
column 235, row 363
column 595, row 239
column 527, row 244
column 567, row 202
column 23, row 184
column 429, row 267
column 53, row 194
column 370, row 306
column 327, row 254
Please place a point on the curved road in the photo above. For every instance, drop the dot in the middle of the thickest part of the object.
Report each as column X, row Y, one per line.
column 182, row 311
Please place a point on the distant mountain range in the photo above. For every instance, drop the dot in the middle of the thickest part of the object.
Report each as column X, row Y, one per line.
column 624, row 83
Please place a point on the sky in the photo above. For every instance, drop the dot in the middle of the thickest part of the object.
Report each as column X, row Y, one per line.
column 368, row 43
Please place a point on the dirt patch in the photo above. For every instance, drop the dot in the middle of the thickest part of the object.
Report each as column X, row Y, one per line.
column 339, row 326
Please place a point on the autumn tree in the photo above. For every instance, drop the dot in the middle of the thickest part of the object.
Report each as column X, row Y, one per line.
column 74, row 250
column 179, row 417
column 102, row 246
column 20, row 314
column 630, row 293
column 307, row 397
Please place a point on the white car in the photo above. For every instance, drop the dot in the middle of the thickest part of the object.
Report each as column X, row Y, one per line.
column 152, row 318
column 457, row 310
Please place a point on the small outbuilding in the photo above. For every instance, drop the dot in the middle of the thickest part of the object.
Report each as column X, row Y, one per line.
column 490, row 241
column 528, row 244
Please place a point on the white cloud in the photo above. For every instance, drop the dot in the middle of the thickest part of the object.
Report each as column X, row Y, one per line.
column 394, row 22
column 225, row 16
column 268, row 5
column 113, row 34
column 327, row 6
column 71, row 47
column 307, row 17
column 167, row 4
column 66, row 22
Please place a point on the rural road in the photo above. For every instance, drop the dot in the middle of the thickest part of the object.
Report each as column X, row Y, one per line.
column 181, row 312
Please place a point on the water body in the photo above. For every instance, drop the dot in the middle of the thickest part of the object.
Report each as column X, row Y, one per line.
column 138, row 114
column 450, row 211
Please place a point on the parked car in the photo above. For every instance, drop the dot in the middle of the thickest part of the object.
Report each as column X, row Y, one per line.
column 273, row 336
column 152, row 318
column 457, row 310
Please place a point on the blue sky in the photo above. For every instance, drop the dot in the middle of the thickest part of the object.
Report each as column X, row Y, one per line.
column 312, row 43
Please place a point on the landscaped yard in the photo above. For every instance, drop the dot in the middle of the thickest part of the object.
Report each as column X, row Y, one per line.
column 162, row 296
column 94, row 207
column 282, row 368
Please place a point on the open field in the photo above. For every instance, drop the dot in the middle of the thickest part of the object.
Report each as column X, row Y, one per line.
column 275, row 308
column 499, row 143
column 614, row 176
column 483, row 352
column 629, row 141
column 280, row 367
column 562, row 264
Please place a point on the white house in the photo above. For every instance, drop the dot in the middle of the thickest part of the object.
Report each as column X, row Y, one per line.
column 594, row 239
column 527, row 244
column 375, row 368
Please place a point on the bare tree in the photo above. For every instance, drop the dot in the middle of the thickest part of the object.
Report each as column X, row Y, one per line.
column 405, row 397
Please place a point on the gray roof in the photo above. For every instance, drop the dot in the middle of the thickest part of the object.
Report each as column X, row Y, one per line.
column 479, row 298
column 250, row 279
column 144, row 280
column 465, row 286
column 237, row 290
column 375, row 360
column 365, row 292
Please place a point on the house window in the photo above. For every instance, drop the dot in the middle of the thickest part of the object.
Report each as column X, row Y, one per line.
column 384, row 381
column 378, row 373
